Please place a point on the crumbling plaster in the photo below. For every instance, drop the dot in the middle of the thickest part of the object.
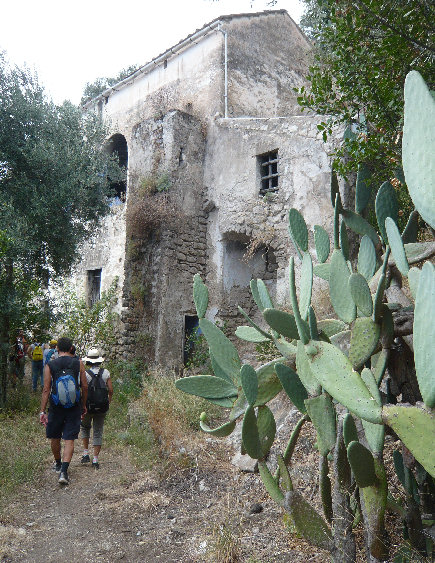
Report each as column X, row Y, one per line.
column 233, row 181
column 172, row 119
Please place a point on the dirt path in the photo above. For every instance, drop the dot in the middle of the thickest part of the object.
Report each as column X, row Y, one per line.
column 119, row 514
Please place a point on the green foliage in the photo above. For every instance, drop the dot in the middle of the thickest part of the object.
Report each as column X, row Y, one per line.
column 196, row 350
column 94, row 326
column 395, row 36
column 24, row 448
column 54, row 187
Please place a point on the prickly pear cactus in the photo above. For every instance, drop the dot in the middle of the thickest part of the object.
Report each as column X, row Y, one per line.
column 337, row 388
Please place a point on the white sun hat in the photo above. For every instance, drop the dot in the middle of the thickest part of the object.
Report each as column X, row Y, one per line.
column 93, row 357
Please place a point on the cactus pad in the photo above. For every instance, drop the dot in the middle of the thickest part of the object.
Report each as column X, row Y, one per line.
column 250, row 334
column 322, row 414
column 360, row 226
column 366, row 258
column 416, row 428
column 223, row 350
column 282, row 322
column 200, row 295
column 322, row 271
column 249, row 380
column 270, row 483
column 331, row 326
column 418, row 145
column 266, row 428
column 339, row 291
column 361, row 295
column 364, row 340
column 304, row 371
column 363, row 190
column 221, row 431
column 334, row 372
column 362, row 464
column 350, row 433
column 206, row 386
column 307, row 521
column 396, row 245
column 250, row 436
column 322, row 243
column 413, row 279
column 298, row 230
column 424, row 334
column 306, row 285
column 386, row 205
column 292, row 385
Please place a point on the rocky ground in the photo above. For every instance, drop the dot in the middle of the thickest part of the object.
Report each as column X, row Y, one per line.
column 210, row 511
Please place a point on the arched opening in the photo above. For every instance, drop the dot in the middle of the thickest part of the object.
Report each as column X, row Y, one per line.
column 118, row 145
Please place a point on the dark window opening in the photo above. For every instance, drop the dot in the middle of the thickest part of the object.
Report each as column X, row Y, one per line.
column 268, row 165
column 93, row 289
column 118, row 145
column 192, row 334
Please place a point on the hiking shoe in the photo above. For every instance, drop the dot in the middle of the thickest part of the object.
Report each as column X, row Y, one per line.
column 95, row 465
column 63, row 478
column 57, row 466
column 85, row 459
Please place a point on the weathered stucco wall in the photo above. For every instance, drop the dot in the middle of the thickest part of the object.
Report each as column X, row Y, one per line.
column 166, row 259
column 267, row 58
column 212, row 219
column 106, row 251
column 233, row 179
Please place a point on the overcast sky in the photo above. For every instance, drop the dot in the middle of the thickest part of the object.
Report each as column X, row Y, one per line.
column 71, row 43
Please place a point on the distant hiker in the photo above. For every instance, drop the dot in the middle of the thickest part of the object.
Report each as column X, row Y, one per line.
column 50, row 353
column 100, row 392
column 36, row 354
column 63, row 378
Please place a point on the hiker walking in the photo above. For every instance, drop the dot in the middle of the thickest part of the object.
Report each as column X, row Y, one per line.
column 63, row 378
column 100, row 392
column 36, row 354
column 50, row 353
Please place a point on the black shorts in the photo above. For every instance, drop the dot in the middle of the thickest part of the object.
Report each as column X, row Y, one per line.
column 64, row 423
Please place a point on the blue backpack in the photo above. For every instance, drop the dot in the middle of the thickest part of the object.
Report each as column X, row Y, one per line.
column 65, row 390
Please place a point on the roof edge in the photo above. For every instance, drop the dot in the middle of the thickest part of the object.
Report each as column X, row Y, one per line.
column 184, row 43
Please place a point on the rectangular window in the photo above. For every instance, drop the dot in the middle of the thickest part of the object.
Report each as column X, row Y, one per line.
column 93, row 287
column 268, row 165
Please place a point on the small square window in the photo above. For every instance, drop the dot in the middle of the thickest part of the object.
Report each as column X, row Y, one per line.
column 268, row 166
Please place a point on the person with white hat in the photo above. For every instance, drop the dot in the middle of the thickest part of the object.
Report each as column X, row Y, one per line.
column 100, row 392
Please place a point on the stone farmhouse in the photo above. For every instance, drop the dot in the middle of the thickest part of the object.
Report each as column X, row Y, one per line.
column 217, row 152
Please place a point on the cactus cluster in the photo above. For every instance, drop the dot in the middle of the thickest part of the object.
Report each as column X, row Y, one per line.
column 337, row 391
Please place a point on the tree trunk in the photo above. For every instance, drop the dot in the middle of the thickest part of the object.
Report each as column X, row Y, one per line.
column 4, row 334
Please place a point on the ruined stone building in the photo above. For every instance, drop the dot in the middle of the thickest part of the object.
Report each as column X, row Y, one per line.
column 217, row 152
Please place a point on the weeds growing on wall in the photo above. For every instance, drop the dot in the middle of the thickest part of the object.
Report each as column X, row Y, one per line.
column 151, row 207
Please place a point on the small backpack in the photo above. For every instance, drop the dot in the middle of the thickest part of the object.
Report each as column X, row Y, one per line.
column 37, row 353
column 98, row 394
column 49, row 355
column 65, row 390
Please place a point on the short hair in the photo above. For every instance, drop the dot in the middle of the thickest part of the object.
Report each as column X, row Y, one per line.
column 64, row 344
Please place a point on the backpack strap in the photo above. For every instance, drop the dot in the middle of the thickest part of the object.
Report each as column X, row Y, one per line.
column 100, row 372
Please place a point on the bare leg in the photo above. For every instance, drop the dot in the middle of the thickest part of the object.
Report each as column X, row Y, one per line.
column 55, row 448
column 97, row 450
column 68, row 450
column 86, row 443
